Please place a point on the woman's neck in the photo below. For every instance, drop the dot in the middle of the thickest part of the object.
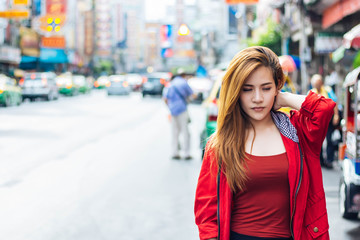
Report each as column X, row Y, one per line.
column 263, row 124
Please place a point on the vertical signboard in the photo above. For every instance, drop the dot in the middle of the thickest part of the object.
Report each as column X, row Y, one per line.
column 166, row 32
column 29, row 42
column 36, row 7
column 89, row 33
column 104, row 32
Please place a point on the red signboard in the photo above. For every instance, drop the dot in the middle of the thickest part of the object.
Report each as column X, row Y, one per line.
column 241, row 1
column 56, row 7
column 53, row 42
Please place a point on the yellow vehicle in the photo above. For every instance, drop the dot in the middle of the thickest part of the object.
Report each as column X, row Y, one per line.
column 10, row 94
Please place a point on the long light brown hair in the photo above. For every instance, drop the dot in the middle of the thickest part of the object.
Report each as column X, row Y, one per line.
column 229, row 139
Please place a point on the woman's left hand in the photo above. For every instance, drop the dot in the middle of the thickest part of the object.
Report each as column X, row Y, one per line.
column 278, row 101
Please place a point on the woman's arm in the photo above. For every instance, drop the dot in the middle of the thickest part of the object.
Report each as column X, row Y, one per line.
column 206, row 197
column 285, row 99
column 311, row 116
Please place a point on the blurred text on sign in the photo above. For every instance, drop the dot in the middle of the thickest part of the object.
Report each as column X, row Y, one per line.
column 14, row 14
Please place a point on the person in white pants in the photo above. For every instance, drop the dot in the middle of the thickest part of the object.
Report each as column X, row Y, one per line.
column 179, row 126
column 176, row 96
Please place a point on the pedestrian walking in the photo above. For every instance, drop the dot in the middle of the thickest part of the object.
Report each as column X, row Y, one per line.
column 177, row 96
column 326, row 91
column 261, row 176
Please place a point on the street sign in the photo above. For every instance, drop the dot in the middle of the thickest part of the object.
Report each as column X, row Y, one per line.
column 15, row 14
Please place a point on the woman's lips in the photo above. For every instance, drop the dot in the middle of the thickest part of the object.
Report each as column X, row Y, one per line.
column 258, row 109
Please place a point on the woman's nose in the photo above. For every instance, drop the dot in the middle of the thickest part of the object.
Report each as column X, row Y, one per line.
column 257, row 97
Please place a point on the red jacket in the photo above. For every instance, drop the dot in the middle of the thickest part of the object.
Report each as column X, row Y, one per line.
column 213, row 201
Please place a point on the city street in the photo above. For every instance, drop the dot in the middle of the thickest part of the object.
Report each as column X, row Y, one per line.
column 94, row 167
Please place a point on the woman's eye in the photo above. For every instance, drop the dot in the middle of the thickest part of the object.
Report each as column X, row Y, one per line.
column 247, row 89
column 266, row 89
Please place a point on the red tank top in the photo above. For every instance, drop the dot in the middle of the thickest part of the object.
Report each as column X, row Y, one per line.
column 263, row 209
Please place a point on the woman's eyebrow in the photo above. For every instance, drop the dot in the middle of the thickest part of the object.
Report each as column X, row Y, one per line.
column 249, row 85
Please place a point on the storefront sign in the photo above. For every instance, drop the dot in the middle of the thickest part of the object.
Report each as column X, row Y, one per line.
column 53, row 42
column 20, row 2
column 29, row 42
column 328, row 42
column 15, row 14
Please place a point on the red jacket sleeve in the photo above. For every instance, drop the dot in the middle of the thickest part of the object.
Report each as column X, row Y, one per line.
column 206, row 197
column 312, row 120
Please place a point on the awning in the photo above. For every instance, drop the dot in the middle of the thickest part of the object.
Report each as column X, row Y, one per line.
column 28, row 62
column 53, row 55
column 338, row 11
column 28, row 59
column 351, row 77
column 352, row 38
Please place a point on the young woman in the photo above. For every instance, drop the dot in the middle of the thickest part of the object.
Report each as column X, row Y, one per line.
column 261, row 175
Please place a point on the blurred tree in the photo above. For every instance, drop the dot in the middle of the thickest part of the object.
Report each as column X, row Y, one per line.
column 270, row 38
column 104, row 66
column 356, row 62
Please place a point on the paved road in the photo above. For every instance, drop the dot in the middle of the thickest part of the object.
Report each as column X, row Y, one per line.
column 95, row 167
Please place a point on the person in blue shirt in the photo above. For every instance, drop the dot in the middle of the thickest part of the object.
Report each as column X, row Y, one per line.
column 177, row 96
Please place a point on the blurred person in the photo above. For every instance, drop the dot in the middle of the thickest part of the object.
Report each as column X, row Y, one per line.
column 326, row 91
column 177, row 95
column 256, row 148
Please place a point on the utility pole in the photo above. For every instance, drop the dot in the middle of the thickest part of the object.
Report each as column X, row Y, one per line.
column 303, row 49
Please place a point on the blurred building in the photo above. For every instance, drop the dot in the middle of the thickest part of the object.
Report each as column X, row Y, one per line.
column 129, row 35
column 315, row 30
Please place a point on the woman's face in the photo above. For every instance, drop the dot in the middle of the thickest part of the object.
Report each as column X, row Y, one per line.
column 258, row 94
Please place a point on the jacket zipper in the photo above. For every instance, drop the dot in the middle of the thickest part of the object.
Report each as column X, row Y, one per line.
column 218, row 202
column 297, row 190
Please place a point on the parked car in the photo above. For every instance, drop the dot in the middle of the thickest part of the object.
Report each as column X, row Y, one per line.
column 201, row 87
column 118, row 85
column 154, row 83
column 39, row 85
column 82, row 83
column 66, row 84
column 135, row 81
column 10, row 94
column 101, row 82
